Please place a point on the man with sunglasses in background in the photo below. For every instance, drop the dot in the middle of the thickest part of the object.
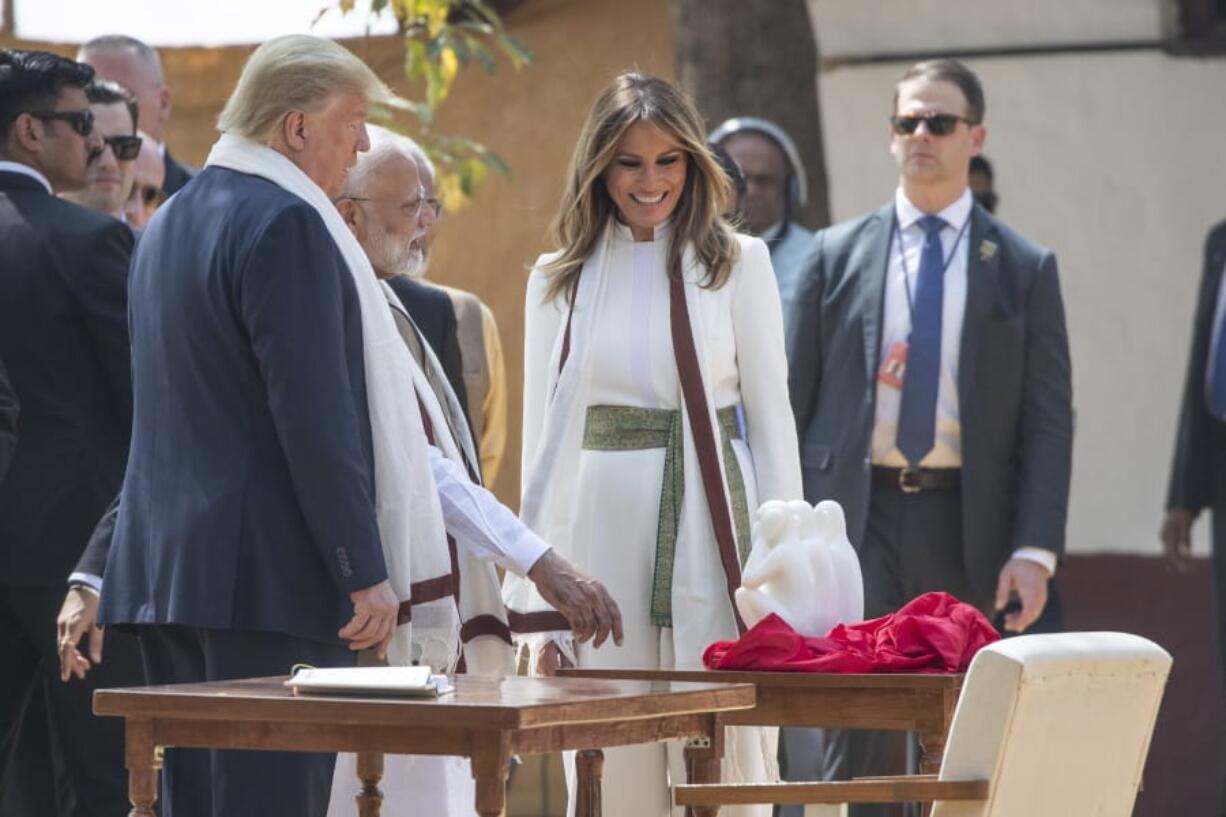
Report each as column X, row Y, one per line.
column 149, row 176
column 64, row 341
column 111, row 171
column 931, row 383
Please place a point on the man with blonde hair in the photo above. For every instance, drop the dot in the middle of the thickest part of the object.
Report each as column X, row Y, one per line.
column 281, row 498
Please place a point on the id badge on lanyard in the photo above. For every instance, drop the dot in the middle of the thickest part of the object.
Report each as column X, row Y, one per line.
column 893, row 368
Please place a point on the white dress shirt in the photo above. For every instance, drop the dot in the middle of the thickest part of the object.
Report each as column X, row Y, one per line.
column 26, row 170
column 896, row 327
column 471, row 514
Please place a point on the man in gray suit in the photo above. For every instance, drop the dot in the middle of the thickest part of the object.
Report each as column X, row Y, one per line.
column 931, row 384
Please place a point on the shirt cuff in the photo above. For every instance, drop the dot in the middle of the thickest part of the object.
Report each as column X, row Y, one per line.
column 525, row 552
column 87, row 580
column 1043, row 556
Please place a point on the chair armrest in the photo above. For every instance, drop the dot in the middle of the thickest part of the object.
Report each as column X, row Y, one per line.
column 889, row 790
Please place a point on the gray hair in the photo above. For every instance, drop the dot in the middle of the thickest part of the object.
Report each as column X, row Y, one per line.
column 294, row 73
column 113, row 43
column 384, row 145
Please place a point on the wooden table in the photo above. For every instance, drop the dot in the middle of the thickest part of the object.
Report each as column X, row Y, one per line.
column 487, row 720
column 918, row 702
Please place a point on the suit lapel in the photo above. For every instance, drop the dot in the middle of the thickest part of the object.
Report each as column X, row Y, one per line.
column 877, row 240
column 982, row 274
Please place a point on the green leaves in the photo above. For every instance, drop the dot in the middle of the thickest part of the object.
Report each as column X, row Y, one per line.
column 440, row 38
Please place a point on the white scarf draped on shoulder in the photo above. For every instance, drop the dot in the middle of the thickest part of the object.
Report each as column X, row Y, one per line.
column 407, row 506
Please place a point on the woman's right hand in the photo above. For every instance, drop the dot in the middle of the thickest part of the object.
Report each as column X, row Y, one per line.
column 550, row 660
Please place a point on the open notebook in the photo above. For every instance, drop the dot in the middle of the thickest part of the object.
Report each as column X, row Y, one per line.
column 414, row 682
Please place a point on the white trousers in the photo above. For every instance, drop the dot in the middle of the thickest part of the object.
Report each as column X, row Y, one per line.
column 637, row 778
column 413, row 786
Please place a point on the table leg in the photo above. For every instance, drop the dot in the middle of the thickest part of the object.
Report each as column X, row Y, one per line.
column 370, row 772
column 589, row 771
column 702, row 759
column 490, row 760
column 143, row 762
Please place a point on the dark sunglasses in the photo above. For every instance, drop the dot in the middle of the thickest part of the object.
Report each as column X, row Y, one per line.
column 938, row 124
column 81, row 121
column 125, row 148
column 150, row 194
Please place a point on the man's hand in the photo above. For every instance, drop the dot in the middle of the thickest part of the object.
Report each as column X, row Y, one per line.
column 78, row 615
column 1176, row 536
column 1028, row 579
column 551, row 660
column 374, row 618
column 584, row 602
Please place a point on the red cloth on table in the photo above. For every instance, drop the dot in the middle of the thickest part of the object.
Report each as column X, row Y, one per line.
column 933, row 633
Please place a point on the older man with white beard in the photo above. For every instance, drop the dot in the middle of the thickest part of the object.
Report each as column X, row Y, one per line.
column 383, row 204
column 303, row 504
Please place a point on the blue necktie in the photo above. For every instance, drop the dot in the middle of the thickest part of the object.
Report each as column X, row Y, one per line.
column 917, row 416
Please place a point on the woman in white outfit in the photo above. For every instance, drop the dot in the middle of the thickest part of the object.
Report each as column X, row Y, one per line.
column 656, row 414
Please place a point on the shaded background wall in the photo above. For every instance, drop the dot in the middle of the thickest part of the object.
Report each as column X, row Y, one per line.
column 531, row 118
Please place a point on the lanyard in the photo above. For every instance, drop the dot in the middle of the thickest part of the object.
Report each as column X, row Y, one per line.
column 902, row 257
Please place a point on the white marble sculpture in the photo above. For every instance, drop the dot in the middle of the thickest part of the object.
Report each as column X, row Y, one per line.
column 802, row 568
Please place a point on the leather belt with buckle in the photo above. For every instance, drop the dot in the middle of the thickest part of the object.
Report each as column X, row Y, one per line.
column 912, row 480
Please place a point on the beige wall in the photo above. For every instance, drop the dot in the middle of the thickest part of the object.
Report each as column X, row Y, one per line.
column 531, row 118
column 1114, row 160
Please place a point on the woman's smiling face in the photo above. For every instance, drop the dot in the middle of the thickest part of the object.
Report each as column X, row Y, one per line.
column 646, row 177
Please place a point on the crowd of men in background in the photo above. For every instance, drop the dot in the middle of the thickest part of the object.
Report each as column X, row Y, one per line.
column 85, row 174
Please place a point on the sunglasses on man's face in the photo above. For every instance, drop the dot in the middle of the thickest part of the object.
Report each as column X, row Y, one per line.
column 938, row 124
column 125, row 148
column 81, row 121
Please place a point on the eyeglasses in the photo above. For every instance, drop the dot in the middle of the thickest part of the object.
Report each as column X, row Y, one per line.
column 411, row 208
column 938, row 124
column 81, row 121
column 125, row 148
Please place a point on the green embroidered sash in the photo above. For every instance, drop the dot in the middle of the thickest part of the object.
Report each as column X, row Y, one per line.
column 628, row 428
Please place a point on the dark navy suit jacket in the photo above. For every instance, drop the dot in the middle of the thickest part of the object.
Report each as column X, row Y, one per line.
column 64, row 342
column 8, row 421
column 1014, row 385
column 248, row 502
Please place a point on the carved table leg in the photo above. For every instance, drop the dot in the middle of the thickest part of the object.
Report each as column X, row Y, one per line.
column 370, row 772
column 143, row 762
column 702, row 759
column 589, row 769
column 491, row 759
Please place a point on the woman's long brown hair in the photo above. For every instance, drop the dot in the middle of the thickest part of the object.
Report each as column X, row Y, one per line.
column 586, row 207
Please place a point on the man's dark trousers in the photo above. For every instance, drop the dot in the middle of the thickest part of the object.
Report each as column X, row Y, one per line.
column 216, row 783
column 88, row 746
column 912, row 545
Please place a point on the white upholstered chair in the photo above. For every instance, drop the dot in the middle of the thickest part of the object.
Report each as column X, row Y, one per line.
column 1052, row 725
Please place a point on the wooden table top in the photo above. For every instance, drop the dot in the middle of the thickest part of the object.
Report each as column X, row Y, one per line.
column 811, row 680
column 478, row 702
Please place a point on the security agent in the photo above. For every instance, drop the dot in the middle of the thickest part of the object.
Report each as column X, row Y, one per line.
column 775, row 191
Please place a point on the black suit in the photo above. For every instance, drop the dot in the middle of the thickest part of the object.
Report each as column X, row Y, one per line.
column 1198, row 475
column 432, row 310
column 8, row 421
column 1014, row 386
column 177, row 174
column 248, row 511
column 64, row 340
column 1016, row 427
